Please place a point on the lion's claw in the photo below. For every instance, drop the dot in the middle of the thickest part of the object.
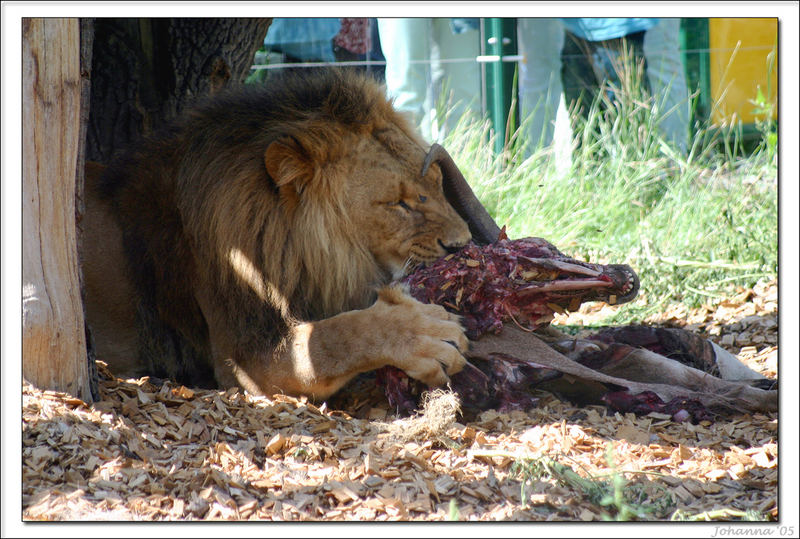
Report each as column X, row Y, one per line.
column 423, row 340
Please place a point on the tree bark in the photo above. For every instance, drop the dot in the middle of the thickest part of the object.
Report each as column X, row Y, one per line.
column 54, row 341
column 86, row 42
column 146, row 71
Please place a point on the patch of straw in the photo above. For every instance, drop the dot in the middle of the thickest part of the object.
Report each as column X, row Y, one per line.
column 437, row 413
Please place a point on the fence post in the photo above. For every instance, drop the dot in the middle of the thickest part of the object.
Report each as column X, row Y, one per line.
column 694, row 52
column 54, row 352
column 500, row 43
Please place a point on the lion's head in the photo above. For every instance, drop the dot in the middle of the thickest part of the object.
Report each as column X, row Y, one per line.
column 347, row 193
column 368, row 193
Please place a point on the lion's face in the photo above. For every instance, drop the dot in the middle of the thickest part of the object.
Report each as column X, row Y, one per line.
column 402, row 216
column 368, row 190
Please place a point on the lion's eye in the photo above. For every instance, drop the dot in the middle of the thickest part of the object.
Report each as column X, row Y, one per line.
column 423, row 198
column 403, row 205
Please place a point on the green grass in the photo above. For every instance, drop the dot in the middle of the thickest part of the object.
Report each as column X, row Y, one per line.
column 614, row 496
column 692, row 226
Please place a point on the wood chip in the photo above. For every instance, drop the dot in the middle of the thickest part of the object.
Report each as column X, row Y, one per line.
column 275, row 444
column 633, row 434
column 163, row 451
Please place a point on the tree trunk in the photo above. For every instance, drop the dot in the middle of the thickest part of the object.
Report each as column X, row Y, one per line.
column 145, row 72
column 142, row 73
column 54, row 341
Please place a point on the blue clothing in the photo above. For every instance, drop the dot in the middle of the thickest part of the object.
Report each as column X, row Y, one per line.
column 600, row 29
column 461, row 25
column 303, row 38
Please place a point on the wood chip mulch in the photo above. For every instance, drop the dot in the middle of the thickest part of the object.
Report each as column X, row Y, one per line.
column 156, row 451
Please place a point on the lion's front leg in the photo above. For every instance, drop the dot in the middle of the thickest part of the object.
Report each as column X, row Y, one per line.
column 318, row 358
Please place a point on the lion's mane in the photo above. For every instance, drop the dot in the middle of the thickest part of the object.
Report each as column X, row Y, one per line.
column 200, row 213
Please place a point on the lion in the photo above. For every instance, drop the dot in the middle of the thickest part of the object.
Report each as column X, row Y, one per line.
column 254, row 241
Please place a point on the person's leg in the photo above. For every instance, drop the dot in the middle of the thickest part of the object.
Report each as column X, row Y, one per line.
column 668, row 80
column 406, row 47
column 621, row 63
column 456, row 72
column 540, row 42
column 580, row 86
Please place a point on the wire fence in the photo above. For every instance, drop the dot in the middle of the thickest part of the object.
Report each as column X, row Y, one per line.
column 358, row 46
column 481, row 59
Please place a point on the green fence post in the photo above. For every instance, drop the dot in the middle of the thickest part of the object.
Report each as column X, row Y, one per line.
column 499, row 41
column 694, row 46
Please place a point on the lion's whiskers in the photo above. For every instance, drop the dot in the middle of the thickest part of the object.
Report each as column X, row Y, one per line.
column 407, row 267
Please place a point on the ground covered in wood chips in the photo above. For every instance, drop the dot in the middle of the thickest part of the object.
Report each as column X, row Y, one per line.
column 152, row 450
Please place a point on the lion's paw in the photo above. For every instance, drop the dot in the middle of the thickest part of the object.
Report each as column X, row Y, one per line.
column 423, row 340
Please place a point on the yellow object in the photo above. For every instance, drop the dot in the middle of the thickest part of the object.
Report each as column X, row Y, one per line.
column 743, row 57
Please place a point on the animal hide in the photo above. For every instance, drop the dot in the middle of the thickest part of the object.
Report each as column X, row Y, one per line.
column 507, row 290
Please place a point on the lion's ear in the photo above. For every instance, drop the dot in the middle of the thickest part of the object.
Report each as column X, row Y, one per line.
column 290, row 167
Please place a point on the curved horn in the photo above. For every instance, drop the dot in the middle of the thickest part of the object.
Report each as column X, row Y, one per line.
column 458, row 192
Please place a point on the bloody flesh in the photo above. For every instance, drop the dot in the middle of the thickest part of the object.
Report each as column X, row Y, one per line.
column 524, row 282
